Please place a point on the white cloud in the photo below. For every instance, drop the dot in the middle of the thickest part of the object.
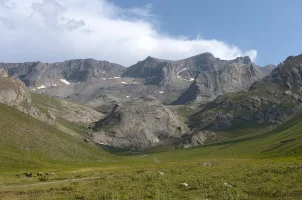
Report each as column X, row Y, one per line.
column 56, row 30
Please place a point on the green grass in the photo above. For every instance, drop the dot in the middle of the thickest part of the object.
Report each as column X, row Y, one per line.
column 257, row 165
column 27, row 143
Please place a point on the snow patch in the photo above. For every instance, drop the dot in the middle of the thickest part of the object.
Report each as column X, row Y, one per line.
column 128, row 96
column 65, row 81
column 124, row 83
column 134, row 82
column 41, row 87
column 103, row 72
column 104, row 79
column 54, row 85
column 117, row 77
column 184, row 69
column 191, row 79
column 161, row 92
column 178, row 74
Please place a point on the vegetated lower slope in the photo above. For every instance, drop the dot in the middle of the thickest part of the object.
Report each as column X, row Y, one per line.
column 60, row 110
column 283, row 141
column 265, row 165
column 29, row 143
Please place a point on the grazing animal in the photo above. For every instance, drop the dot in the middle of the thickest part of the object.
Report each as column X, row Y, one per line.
column 40, row 174
column 28, row 175
column 47, row 174
column 52, row 173
column 207, row 164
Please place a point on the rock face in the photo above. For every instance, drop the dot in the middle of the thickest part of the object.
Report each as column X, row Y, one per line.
column 234, row 76
column 288, row 74
column 3, row 73
column 164, row 72
column 38, row 74
column 137, row 124
column 14, row 93
column 268, row 69
column 272, row 100
column 198, row 138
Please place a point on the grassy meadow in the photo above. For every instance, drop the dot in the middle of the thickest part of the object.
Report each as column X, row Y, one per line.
column 266, row 164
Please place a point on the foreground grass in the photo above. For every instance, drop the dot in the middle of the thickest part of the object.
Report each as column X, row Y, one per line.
column 224, row 179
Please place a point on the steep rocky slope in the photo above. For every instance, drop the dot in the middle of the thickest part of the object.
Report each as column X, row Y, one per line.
column 272, row 100
column 14, row 93
column 164, row 72
column 138, row 124
column 216, row 81
column 85, row 81
column 42, row 75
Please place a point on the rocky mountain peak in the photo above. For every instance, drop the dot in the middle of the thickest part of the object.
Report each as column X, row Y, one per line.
column 206, row 55
column 41, row 75
column 3, row 73
column 244, row 60
column 287, row 74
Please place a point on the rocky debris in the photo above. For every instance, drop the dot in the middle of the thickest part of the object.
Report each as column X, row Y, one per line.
column 137, row 124
column 197, row 138
column 37, row 74
column 161, row 173
column 184, row 184
column 227, row 185
column 75, row 113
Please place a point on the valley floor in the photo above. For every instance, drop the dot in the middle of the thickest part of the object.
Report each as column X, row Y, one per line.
column 155, row 178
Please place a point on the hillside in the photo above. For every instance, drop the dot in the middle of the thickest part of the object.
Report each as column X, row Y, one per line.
column 270, row 101
column 28, row 143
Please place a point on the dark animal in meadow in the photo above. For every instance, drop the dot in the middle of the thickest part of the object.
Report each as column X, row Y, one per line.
column 28, row 175
column 40, row 174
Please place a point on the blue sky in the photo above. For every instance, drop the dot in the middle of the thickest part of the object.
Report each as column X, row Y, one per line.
column 272, row 27
column 127, row 31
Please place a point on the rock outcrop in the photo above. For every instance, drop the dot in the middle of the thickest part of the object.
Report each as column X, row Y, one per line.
column 234, row 76
column 13, row 92
column 165, row 72
column 138, row 124
column 41, row 75
column 270, row 101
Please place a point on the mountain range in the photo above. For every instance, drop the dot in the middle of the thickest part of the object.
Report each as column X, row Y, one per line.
column 197, row 98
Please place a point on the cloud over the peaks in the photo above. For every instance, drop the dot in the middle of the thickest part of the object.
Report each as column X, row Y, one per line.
column 56, row 30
